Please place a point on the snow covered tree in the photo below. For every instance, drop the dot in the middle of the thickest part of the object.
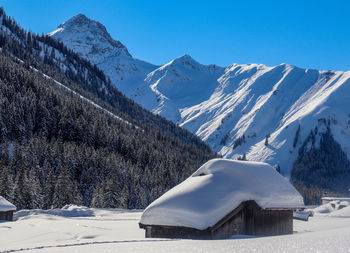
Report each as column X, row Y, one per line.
column 5, row 152
column 65, row 190
column 49, row 190
column 112, row 192
column 296, row 137
column 27, row 190
column 19, row 191
column 124, row 197
column 242, row 158
column 267, row 139
column 6, row 184
column 97, row 197
column 33, row 189
column 278, row 168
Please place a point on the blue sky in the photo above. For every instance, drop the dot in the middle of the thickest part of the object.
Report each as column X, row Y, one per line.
column 313, row 34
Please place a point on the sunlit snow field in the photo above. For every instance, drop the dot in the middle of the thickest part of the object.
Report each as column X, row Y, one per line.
column 81, row 229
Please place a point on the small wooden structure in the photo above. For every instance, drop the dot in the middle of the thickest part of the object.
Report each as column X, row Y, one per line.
column 247, row 219
column 224, row 198
column 6, row 209
column 326, row 200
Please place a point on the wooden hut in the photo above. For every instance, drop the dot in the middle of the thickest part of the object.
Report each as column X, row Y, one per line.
column 224, row 198
column 6, row 209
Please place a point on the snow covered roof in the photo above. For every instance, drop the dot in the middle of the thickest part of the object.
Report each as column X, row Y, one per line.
column 216, row 189
column 6, row 206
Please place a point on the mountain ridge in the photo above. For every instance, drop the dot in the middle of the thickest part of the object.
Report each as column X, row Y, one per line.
column 245, row 109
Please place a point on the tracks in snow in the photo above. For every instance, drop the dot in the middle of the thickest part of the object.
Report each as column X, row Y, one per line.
column 84, row 243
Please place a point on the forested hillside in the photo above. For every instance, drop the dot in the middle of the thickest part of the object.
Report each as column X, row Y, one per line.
column 56, row 60
column 322, row 167
column 57, row 148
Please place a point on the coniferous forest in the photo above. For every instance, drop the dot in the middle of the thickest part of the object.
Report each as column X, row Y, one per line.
column 57, row 148
column 322, row 169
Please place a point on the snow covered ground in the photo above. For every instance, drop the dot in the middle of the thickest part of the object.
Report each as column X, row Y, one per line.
column 81, row 229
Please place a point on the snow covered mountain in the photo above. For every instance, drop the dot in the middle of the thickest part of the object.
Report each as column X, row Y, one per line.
column 91, row 40
column 178, row 84
column 257, row 110
column 264, row 113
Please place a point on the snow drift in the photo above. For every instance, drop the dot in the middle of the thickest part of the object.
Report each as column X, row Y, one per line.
column 66, row 211
column 216, row 189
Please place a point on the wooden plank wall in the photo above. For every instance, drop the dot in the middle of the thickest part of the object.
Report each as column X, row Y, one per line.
column 176, row 232
column 268, row 222
column 6, row 215
column 249, row 220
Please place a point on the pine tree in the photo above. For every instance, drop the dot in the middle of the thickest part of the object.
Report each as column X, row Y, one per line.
column 242, row 158
column 6, row 184
column 97, row 197
column 65, row 190
column 112, row 194
column 49, row 190
column 5, row 152
column 278, row 168
column 296, row 137
column 52, row 56
column 124, row 201
column 19, row 191
column 33, row 190
column 267, row 139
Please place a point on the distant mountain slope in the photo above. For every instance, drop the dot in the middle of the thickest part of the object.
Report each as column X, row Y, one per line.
column 181, row 83
column 243, row 111
column 255, row 105
column 68, row 136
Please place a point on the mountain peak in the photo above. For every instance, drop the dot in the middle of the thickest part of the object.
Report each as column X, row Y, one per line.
column 185, row 60
column 79, row 32
column 79, row 18
column 185, row 57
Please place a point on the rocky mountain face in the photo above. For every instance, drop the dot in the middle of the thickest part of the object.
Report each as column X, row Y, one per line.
column 251, row 111
column 91, row 40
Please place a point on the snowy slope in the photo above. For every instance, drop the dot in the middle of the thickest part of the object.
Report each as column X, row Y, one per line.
column 180, row 83
column 115, row 230
column 233, row 108
column 216, row 189
column 249, row 102
column 254, row 101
